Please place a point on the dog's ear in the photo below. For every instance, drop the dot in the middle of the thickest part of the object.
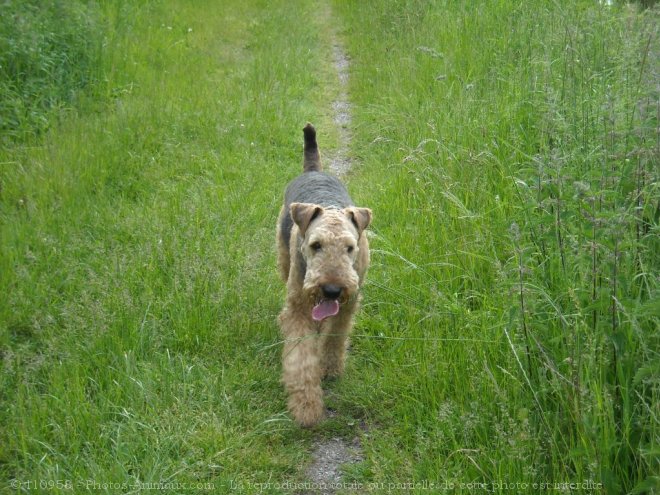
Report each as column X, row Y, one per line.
column 361, row 217
column 303, row 214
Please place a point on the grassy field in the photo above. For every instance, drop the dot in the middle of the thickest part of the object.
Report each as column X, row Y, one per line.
column 509, row 335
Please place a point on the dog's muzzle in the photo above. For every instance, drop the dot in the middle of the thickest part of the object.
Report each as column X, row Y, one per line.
column 331, row 291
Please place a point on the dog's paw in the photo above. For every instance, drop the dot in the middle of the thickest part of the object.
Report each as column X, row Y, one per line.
column 307, row 413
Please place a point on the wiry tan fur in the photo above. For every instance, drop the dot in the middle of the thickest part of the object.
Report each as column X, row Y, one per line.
column 314, row 350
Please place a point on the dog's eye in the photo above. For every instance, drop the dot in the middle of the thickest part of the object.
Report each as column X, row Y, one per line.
column 316, row 246
column 350, row 249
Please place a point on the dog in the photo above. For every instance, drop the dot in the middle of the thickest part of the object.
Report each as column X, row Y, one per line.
column 323, row 257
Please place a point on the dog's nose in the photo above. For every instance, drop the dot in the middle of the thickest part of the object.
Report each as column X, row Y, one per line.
column 331, row 291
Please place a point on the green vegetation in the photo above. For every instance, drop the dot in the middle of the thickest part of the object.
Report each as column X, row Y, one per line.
column 519, row 211
column 49, row 50
column 509, row 152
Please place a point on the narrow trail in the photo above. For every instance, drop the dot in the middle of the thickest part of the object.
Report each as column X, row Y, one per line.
column 330, row 455
column 341, row 107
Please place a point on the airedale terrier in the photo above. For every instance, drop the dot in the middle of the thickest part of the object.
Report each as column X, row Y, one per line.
column 323, row 258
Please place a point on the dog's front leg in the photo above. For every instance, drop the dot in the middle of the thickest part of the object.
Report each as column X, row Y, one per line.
column 301, row 368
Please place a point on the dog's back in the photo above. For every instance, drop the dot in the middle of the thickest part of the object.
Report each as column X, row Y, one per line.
column 313, row 185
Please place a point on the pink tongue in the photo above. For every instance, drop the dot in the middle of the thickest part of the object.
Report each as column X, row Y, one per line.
column 324, row 309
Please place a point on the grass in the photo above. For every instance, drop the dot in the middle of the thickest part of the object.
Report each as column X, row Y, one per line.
column 130, row 287
column 509, row 332
column 49, row 51
column 521, row 198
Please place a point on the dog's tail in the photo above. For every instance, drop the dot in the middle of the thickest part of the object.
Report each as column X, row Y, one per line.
column 312, row 159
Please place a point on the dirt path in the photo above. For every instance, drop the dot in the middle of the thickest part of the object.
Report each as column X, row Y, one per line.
column 341, row 107
column 331, row 454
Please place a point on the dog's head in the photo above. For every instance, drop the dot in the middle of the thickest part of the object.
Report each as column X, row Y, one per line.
column 331, row 249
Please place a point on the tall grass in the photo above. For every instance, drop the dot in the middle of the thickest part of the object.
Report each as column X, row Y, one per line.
column 512, row 151
column 49, row 51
